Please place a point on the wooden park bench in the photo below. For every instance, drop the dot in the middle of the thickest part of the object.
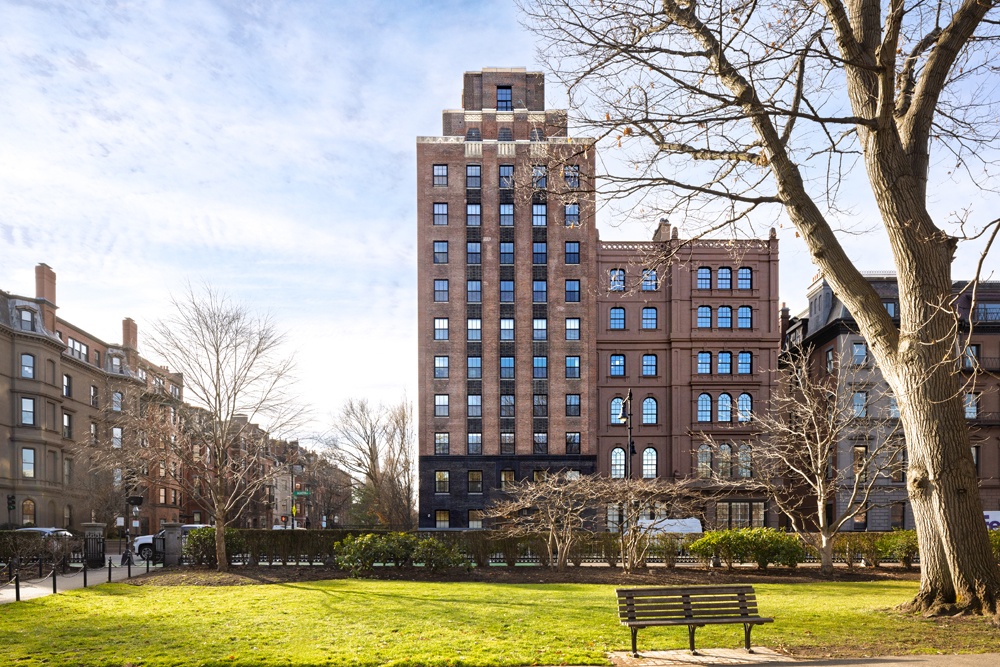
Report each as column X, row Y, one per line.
column 693, row 606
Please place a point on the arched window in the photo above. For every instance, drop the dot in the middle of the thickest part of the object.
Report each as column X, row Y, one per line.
column 724, row 278
column 616, row 319
column 28, row 513
column 705, row 408
column 704, row 278
column 618, row 463
column 704, row 467
column 28, row 366
column 649, row 410
column 473, row 134
column 649, row 463
column 536, row 134
column 725, row 408
column 724, row 318
column 704, row 317
column 744, row 278
column 744, row 317
column 616, row 411
column 725, row 461
column 649, row 318
column 745, row 467
column 505, row 134
column 744, row 407
column 67, row 516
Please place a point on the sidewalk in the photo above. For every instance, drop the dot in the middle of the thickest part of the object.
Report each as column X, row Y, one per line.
column 765, row 656
column 32, row 588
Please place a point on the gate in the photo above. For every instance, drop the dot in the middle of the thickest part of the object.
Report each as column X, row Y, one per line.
column 93, row 551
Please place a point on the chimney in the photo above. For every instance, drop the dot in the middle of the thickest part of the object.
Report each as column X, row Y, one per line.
column 784, row 321
column 45, row 292
column 130, row 334
column 662, row 232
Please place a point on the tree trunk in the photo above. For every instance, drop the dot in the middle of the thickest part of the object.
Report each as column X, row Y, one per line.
column 826, row 554
column 221, row 558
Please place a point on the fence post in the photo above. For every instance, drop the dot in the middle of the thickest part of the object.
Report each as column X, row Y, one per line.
column 85, row 573
column 41, row 572
column 53, row 580
column 17, row 587
column 109, row 569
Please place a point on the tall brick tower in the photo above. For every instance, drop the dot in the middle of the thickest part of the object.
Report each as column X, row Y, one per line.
column 507, row 246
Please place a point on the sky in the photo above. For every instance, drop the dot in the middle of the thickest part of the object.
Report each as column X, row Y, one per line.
column 266, row 148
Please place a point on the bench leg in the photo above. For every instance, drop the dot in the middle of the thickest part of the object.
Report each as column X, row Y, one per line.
column 635, row 653
column 691, row 629
column 747, row 627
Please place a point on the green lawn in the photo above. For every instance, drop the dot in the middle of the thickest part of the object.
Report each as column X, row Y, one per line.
column 358, row 622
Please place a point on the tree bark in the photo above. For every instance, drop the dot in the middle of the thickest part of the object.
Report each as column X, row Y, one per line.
column 221, row 558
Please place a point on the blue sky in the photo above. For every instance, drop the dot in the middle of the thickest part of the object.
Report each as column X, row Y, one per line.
column 265, row 147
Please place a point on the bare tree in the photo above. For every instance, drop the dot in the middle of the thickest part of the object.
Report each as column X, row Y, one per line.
column 735, row 110
column 375, row 444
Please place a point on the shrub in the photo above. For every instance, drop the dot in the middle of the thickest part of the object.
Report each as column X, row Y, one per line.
column 849, row 547
column 511, row 549
column 729, row 545
column 900, row 545
column 479, row 544
column 357, row 555
column 767, row 545
column 438, row 555
column 200, row 546
column 396, row 548
column 668, row 547
column 611, row 548
column 995, row 543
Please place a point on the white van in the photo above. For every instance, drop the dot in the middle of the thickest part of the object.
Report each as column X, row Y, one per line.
column 680, row 526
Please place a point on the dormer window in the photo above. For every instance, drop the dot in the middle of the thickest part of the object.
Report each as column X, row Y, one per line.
column 116, row 365
column 27, row 318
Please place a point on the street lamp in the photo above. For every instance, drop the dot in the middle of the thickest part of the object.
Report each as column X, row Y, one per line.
column 626, row 416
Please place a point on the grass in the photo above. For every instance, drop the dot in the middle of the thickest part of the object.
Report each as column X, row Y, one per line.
column 360, row 622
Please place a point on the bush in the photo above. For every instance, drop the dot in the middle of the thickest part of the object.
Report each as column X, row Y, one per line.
column 995, row 543
column 668, row 547
column 200, row 546
column 611, row 548
column 849, row 546
column 438, row 555
column 396, row 548
column 730, row 546
column 479, row 544
column 900, row 545
column 357, row 555
column 767, row 545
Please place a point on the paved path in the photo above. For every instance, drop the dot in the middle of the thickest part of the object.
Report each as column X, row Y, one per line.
column 32, row 588
column 764, row 656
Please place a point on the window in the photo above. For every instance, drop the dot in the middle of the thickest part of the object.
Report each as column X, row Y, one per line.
column 725, row 463
column 860, row 461
column 116, row 401
column 704, row 317
column 476, row 517
column 704, row 408
column 506, row 405
column 739, row 514
column 506, row 368
column 507, row 179
column 506, row 253
column 572, row 252
column 539, row 329
column 504, row 99
column 744, row 407
column 724, row 364
column 474, row 291
column 507, row 328
column 441, row 444
column 442, row 519
column 507, row 478
column 724, row 407
column 573, row 442
column 704, row 278
column 67, row 425
column 649, row 283
column 440, row 291
column 724, row 317
column 829, row 361
column 616, row 280
column 572, row 212
column 507, row 444
column 475, row 405
column 975, row 458
column 572, row 328
column 474, row 329
column 539, row 253
column 744, row 363
column 440, row 328
column 539, row 368
column 724, row 278
column 28, row 512
column 970, row 358
column 116, row 437
column 890, row 307
column 440, row 213
column 67, row 387
column 618, row 463
column 572, row 405
column 744, row 317
column 507, row 220
column 28, row 366
column 573, row 367
column 572, row 291
column 859, row 403
column 617, row 365
column 649, row 318
column 539, row 176
column 473, row 253
column 539, row 291
column 540, row 443
column 474, row 444
column 440, row 175
column 475, row 481
column 536, row 134
column 704, row 462
column 27, row 463
column 67, row 471
column 971, row 404
column 616, row 411
column 506, row 291
column 540, row 405
column 440, row 405
column 859, row 354
column 505, row 134
column 893, row 408
column 440, row 252
column 473, row 215
column 744, row 278
column 897, row 514
column 571, row 173
column 474, row 366
column 649, row 365
column 27, row 318
column 27, row 411
column 473, row 176
column 539, row 215
column 649, row 410
column 616, row 318
column 988, row 312
column 649, row 463
column 116, row 365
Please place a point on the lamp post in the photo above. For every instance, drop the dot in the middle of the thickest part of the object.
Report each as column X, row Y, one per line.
column 626, row 416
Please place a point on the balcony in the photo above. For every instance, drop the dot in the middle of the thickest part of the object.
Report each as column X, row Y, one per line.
column 984, row 419
column 984, row 364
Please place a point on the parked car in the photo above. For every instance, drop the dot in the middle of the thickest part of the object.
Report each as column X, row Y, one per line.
column 143, row 545
column 279, row 526
column 48, row 532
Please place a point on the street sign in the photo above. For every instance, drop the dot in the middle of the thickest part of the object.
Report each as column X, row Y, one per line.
column 300, row 493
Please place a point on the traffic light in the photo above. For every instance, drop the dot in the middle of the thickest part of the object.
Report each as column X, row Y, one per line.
column 284, row 518
column 11, row 502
